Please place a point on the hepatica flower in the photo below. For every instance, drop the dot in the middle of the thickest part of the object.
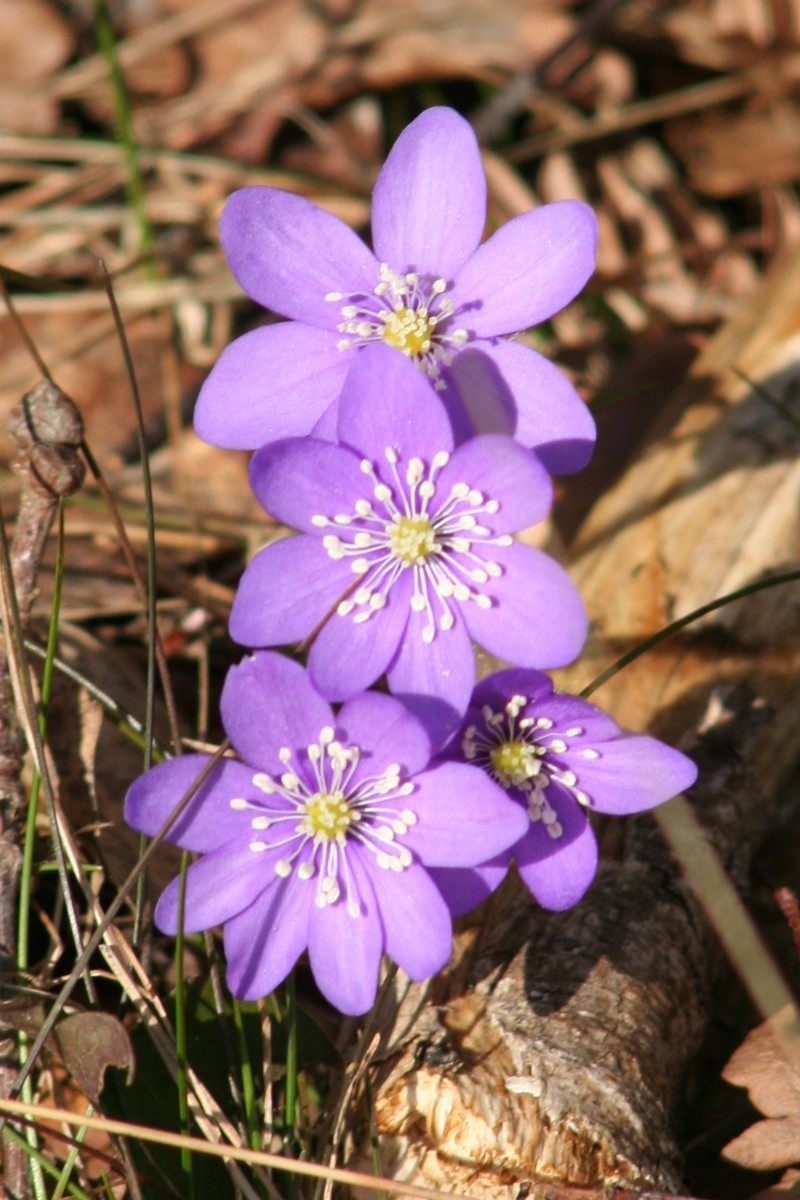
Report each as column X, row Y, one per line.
column 406, row 549
column 559, row 758
column 319, row 838
column 429, row 290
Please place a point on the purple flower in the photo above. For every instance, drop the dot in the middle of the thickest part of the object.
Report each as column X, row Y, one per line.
column 406, row 550
column 429, row 290
column 559, row 758
column 320, row 837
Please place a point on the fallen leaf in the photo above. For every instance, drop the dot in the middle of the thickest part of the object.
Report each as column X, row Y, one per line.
column 773, row 1086
column 89, row 1043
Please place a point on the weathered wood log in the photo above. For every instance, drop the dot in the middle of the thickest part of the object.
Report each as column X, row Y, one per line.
column 555, row 1048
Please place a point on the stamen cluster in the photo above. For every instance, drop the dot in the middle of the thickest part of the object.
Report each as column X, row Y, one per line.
column 407, row 314
column 417, row 529
column 329, row 815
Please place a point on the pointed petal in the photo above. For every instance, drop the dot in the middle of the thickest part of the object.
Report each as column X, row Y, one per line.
column 386, row 732
column 416, row 920
column 632, row 773
column 288, row 255
column 464, row 888
column 527, row 271
column 267, row 703
column 387, row 401
column 345, row 951
column 463, row 817
column 220, row 885
column 429, row 202
column 286, row 591
column 154, row 796
column 508, row 387
column 537, row 618
column 301, row 478
column 347, row 658
column 263, row 943
column 558, row 871
column 442, row 670
column 274, row 382
column 504, row 471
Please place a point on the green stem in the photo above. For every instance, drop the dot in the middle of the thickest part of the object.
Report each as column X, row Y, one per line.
column 181, row 1031
column 248, row 1083
column 134, row 185
column 290, row 1098
column 26, row 877
column 72, row 1158
column 44, row 1163
column 667, row 632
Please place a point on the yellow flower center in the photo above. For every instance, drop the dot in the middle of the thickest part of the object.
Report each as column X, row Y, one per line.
column 412, row 539
column 514, row 763
column 410, row 331
column 327, row 816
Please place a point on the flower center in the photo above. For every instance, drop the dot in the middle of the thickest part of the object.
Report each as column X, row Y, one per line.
column 409, row 331
column 412, row 522
column 412, row 539
column 328, row 817
column 515, row 762
column 328, row 810
column 523, row 752
column 409, row 314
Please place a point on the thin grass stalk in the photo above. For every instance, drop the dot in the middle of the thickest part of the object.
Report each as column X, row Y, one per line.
column 134, row 185
column 181, row 1039
column 133, row 566
column 114, row 907
column 356, row 1068
column 45, row 1165
column 290, row 1094
column 127, row 724
column 72, row 1158
column 26, row 706
column 676, row 626
column 26, row 877
column 238, row 1154
column 150, row 590
column 248, row 1084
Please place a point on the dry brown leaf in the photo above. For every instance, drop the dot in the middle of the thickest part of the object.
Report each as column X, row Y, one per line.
column 90, row 1043
column 787, row 1188
column 726, row 154
column 766, row 1145
column 722, row 34
column 34, row 42
column 760, row 1066
column 774, row 1088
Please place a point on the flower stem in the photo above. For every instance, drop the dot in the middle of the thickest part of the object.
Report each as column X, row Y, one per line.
column 180, row 1031
column 248, row 1087
column 134, row 185
column 290, row 1097
column 675, row 627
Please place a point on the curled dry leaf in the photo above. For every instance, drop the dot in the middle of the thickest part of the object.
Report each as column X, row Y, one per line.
column 86, row 1042
column 89, row 1043
column 773, row 1086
